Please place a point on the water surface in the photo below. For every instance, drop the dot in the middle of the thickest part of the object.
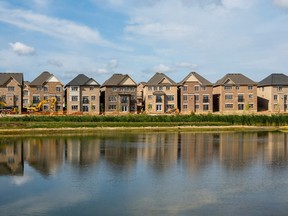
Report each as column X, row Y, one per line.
column 145, row 174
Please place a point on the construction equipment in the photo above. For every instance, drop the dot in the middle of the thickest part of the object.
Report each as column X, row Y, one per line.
column 4, row 109
column 38, row 107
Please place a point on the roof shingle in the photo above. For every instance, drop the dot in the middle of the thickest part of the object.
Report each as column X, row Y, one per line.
column 117, row 80
column 276, row 79
column 199, row 77
column 237, row 78
column 4, row 78
column 158, row 77
column 81, row 80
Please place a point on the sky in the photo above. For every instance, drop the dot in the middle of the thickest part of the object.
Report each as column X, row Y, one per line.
column 139, row 38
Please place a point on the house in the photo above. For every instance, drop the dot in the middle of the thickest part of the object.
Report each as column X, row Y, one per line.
column 196, row 94
column 272, row 93
column 83, row 95
column 11, row 86
column 235, row 93
column 119, row 94
column 45, row 87
column 160, row 94
column 140, row 102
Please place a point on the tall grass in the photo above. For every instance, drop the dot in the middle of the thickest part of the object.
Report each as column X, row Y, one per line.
column 255, row 120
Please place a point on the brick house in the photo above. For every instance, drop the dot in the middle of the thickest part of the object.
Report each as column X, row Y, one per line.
column 119, row 94
column 45, row 87
column 83, row 95
column 160, row 94
column 196, row 94
column 272, row 93
column 26, row 94
column 235, row 93
column 11, row 86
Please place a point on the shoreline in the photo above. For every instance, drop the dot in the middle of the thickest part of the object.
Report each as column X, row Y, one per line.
column 95, row 130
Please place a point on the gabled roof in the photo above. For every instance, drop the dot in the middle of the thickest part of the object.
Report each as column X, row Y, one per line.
column 82, row 80
column 42, row 78
column 118, row 80
column 5, row 77
column 158, row 78
column 235, row 79
column 201, row 79
column 276, row 79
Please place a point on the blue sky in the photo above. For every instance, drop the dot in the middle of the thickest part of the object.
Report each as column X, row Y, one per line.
column 102, row 37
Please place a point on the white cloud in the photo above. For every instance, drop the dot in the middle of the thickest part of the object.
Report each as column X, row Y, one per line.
column 21, row 180
column 113, row 64
column 102, row 71
column 22, row 49
column 161, row 68
column 41, row 3
column 58, row 28
column 186, row 65
column 281, row 3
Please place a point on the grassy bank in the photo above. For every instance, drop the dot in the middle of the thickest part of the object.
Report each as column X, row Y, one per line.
column 147, row 120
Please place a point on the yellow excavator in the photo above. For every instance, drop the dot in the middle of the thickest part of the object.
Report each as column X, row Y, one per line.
column 4, row 109
column 38, row 107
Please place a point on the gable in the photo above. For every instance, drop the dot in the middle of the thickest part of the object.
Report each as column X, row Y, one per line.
column 53, row 79
column 229, row 82
column 128, row 81
column 92, row 82
column 192, row 78
column 165, row 81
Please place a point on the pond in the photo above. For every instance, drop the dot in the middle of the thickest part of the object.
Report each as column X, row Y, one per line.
column 117, row 173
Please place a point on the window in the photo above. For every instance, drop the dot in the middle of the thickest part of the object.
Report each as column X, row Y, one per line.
column 275, row 97
column 160, row 88
column 132, row 108
column 58, row 107
column 196, row 88
column 170, row 106
column 58, row 98
column 196, row 97
column 205, row 98
column 185, row 106
column 16, row 98
column 155, row 88
column 85, row 108
column 251, row 106
column 228, row 97
column 124, row 99
column 158, row 99
column 227, row 88
column 170, row 97
column 74, row 88
column 85, row 100
column 39, row 88
column 149, row 97
column 168, row 87
column 45, row 97
column 203, row 88
column 184, row 97
column 251, row 96
column 240, row 106
column 11, row 88
column 3, row 98
column 229, row 106
column 112, row 98
column 25, row 101
column 205, row 107
column 93, row 98
column 279, row 88
column 197, row 107
column 158, row 107
column 74, row 107
column 124, row 108
column 91, row 88
column 240, row 98
column 45, row 89
column 45, row 107
column 150, row 88
column 250, row 87
column 93, row 107
column 114, row 89
column 74, row 98
column 36, row 99
column 25, row 93
column 58, row 88
column 112, row 107
column 185, row 88
column 237, row 87
column 132, row 89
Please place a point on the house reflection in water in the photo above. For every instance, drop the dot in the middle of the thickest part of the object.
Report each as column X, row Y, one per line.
column 159, row 151
column 11, row 158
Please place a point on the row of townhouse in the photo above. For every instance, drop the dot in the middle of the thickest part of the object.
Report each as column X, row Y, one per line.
column 121, row 94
